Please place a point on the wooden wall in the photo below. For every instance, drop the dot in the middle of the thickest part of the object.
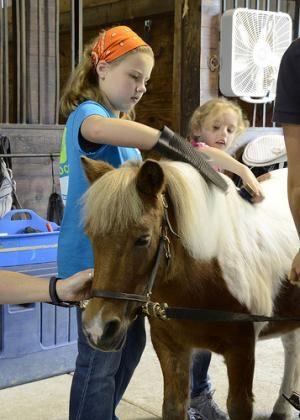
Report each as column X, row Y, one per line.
column 183, row 35
column 32, row 81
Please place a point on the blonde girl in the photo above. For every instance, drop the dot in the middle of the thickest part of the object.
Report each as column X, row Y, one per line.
column 213, row 129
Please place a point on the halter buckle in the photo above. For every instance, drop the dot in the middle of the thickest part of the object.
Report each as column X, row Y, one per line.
column 83, row 303
column 155, row 310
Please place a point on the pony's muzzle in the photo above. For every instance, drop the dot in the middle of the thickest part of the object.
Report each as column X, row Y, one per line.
column 109, row 336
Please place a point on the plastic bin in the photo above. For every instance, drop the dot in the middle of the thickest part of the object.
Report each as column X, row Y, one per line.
column 37, row 340
column 17, row 248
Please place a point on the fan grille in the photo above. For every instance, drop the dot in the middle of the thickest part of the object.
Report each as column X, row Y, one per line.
column 257, row 42
column 257, row 55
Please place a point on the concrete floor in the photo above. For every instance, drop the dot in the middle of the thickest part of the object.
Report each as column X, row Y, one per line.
column 48, row 399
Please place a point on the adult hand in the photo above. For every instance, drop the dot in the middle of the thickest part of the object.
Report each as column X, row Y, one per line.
column 294, row 276
column 76, row 288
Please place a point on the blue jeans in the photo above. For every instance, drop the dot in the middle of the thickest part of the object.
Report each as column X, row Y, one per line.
column 198, row 374
column 100, row 378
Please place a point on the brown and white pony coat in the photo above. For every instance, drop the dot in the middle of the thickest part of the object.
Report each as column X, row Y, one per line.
column 231, row 255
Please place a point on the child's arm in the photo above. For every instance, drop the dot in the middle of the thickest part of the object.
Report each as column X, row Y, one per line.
column 119, row 132
column 227, row 162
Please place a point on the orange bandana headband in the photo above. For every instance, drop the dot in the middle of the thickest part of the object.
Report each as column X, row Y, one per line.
column 114, row 43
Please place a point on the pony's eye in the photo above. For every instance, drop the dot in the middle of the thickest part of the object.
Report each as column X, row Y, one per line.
column 142, row 241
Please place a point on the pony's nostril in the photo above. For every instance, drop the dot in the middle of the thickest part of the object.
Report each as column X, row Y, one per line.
column 111, row 328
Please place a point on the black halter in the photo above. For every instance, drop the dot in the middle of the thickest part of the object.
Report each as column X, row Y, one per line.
column 163, row 246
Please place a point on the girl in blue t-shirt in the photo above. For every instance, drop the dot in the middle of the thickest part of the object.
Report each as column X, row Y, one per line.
column 99, row 100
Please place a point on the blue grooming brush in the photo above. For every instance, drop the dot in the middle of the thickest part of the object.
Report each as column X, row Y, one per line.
column 246, row 193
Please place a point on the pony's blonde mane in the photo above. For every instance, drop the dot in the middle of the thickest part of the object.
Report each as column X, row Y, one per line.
column 254, row 244
column 191, row 198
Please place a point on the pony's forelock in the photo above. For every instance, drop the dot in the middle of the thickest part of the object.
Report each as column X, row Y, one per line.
column 115, row 198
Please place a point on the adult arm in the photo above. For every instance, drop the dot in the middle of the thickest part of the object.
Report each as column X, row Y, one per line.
column 292, row 140
column 21, row 288
column 287, row 112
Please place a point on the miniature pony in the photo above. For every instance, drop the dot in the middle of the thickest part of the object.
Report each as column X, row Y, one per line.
column 225, row 254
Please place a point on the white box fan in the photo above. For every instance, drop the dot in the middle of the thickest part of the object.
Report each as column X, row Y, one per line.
column 252, row 45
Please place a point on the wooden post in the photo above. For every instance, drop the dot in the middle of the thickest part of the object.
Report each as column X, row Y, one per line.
column 23, row 62
column 40, row 57
column 176, row 96
column 16, row 62
column 190, row 61
column 5, row 63
column 209, row 74
column 76, row 16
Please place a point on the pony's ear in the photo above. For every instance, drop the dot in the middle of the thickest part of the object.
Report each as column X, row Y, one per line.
column 150, row 178
column 94, row 169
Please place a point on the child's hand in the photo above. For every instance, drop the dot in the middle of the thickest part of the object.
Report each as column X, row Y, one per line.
column 252, row 185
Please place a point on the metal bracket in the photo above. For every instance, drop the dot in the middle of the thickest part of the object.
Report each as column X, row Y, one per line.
column 83, row 303
column 213, row 63
column 155, row 310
